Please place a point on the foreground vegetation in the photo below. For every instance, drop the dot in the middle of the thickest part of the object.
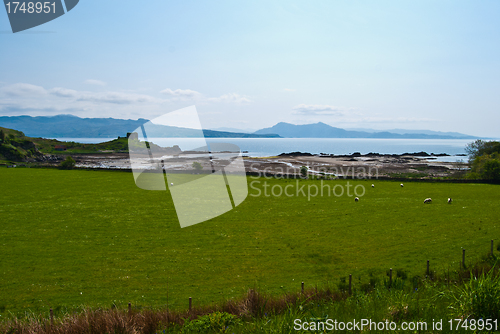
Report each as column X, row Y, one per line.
column 463, row 301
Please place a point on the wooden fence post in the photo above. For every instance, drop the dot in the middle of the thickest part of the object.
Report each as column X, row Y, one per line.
column 129, row 309
column 51, row 317
column 190, row 304
column 463, row 258
column 350, row 284
column 390, row 277
column 302, row 285
column 491, row 247
column 427, row 267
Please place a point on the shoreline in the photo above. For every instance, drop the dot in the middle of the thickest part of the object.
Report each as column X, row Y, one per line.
column 418, row 165
column 371, row 154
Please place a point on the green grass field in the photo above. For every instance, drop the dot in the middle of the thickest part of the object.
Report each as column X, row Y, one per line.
column 92, row 238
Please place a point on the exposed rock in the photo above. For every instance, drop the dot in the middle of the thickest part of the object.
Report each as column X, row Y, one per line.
column 296, row 154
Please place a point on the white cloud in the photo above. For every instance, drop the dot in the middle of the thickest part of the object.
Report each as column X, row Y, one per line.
column 289, row 90
column 183, row 94
column 64, row 92
column 23, row 89
column 116, row 97
column 95, row 82
column 37, row 100
column 34, row 100
column 106, row 97
column 15, row 109
column 231, row 97
column 316, row 109
column 28, row 91
column 188, row 94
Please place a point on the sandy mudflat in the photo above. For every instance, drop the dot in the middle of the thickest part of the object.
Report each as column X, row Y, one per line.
column 376, row 165
column 381, row 165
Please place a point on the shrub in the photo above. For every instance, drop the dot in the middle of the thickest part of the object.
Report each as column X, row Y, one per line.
column 492, row 169
column 303, row 171
column 11, row 152
column 68, row 163
column 484, row 158
column 197, row 166
column 486, row 167
column 217, row 322
column 481, row 147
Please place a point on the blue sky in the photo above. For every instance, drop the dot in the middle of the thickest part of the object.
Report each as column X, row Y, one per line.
column 250, row 64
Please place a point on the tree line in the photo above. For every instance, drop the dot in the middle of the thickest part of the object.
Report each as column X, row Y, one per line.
column 484, row 159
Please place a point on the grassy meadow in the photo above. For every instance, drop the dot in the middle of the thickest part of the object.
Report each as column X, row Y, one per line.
column 79, row 238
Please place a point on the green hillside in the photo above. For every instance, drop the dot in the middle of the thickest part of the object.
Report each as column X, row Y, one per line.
column 16, row 147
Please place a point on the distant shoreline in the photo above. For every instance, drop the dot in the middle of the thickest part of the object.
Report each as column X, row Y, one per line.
column 264, row 147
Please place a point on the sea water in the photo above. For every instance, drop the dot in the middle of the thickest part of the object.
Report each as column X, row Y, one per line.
column 264, row 147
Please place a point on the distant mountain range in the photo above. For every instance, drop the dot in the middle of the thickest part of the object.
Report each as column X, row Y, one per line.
column 322, row 130
column 457, row 135
column 69, row 126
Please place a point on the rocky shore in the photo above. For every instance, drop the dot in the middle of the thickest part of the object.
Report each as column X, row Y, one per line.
column 358, row 154
column 413, row 165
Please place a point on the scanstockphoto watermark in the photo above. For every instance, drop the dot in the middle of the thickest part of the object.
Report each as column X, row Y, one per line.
column 259, row 187
column 25, row 15
column 318, row 171
column 363, row 325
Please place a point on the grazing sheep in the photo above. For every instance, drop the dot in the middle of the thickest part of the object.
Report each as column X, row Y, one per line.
column 449, row 200
column 356, row 199
column 427, row 201
column 171, row 183
column 373, row 186
column 402, row 185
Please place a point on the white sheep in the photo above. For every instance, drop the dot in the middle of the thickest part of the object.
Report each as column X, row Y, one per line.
column 373, row 186
column 449, row 200
column 171, row 183
column 402, row 185
column 356, row 199
column 427, row 201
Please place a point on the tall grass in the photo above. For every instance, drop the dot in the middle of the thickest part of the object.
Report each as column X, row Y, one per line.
column 479, row 297
column 471, row 294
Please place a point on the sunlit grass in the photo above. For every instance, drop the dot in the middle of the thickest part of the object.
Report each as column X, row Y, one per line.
column 92, row 238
